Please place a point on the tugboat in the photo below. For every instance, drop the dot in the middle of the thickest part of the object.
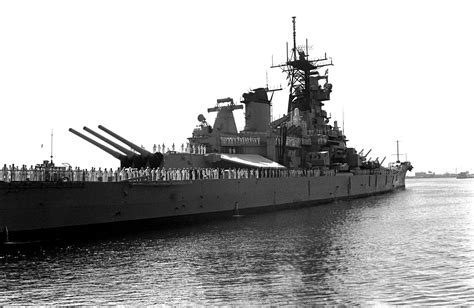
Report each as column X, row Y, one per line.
column 298, row 159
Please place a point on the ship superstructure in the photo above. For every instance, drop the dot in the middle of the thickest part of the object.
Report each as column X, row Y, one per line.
column 304, row 138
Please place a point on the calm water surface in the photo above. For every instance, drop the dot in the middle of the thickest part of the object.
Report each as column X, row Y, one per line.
column 412, row 247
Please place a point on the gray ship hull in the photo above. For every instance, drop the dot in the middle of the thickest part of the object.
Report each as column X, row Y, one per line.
column 29, row 207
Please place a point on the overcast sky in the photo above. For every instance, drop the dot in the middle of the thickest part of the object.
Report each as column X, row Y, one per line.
column 146, row 69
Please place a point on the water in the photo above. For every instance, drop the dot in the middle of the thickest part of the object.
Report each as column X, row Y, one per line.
column 412, row 247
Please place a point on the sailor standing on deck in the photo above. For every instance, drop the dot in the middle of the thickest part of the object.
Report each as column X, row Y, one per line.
column 4, row 174
column 100, row 175
column 30, row 173
column 13, row 172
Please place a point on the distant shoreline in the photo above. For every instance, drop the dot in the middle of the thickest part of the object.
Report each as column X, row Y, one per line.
column 433, row 177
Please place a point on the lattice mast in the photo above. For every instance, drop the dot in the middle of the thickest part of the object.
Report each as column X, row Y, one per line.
column 300, row 69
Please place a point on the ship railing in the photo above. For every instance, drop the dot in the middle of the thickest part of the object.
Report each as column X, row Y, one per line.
column 55, row 174
column 190, row 174
column 375, row 172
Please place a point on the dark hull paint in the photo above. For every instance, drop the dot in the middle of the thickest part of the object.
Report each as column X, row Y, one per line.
column 35, row 209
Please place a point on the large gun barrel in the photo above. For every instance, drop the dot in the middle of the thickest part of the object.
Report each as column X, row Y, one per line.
column 133, row 146
column 367, row 153
column 115, row 154
column 129, row 153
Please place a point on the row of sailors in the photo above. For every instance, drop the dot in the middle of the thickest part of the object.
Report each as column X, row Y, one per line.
column 161, row 174
column 189, row 148
column 158, row 174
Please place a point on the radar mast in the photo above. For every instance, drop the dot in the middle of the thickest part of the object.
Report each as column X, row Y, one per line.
column 302, row 74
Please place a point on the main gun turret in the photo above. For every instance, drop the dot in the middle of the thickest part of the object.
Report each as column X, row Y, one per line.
column 148, row 159
column 141, row 159
column 125, row 162
column 129, row 153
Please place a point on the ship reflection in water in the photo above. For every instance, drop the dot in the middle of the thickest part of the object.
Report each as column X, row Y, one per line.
column 412, row 247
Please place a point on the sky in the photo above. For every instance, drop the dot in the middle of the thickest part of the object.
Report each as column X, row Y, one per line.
column 146, row 69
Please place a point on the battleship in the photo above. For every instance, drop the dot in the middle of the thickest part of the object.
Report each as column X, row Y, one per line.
column 299, row 159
